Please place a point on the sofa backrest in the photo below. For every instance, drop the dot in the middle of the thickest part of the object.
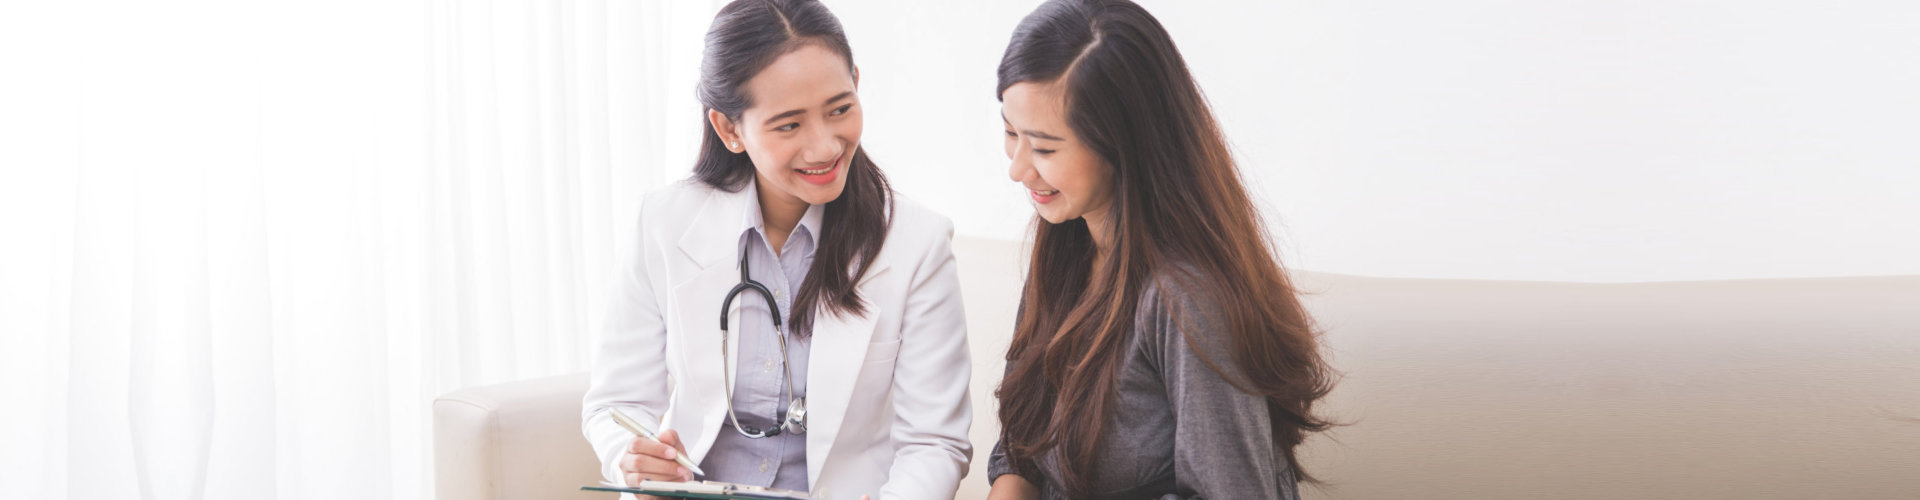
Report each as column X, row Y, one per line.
column 1460, row 389
column 1794, row 388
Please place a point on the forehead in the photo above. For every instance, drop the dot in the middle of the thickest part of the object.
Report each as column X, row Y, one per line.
column 803, row 78
column 1036, row 105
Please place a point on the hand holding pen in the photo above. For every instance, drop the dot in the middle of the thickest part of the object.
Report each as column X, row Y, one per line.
column 658, row 457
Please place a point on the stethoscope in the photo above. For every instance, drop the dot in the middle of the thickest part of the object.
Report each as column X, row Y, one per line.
column 796, row 422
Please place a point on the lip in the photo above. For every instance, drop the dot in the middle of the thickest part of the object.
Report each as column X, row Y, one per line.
column 829, row 176
column 1043, row 199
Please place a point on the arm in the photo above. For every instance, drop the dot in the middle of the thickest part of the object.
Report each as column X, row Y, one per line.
column 629, row 369
column 1223, row 440
column 1013, row 487
column 1006, row 484
column 930, row 404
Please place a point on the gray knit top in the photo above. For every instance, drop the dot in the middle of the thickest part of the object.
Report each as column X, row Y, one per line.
column 1179, row 430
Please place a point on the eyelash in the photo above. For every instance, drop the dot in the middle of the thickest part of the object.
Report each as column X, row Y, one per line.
column 1041, row 152
column 792, row 126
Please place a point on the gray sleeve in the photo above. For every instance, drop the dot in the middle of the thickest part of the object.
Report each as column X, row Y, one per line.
column 1223, row 440
column 997, row 463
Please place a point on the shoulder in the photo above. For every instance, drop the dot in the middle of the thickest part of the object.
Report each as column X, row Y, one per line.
column 1178, row 312
column 1178, row 289
column 913, row 230
column 667, row 211
column 912, row 221
column 677, row 196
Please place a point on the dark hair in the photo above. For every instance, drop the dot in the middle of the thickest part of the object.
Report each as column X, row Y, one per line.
column 1179, row 208
column 746, row 37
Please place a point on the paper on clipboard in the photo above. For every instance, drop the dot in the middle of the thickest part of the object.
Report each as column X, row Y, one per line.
column 702, row 489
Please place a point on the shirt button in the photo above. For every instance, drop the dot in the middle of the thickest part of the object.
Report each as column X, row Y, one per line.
column 769, row 366
column 763, row 465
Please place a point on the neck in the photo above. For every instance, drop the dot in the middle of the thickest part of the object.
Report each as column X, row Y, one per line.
column 1101, row 232
column 780, row 212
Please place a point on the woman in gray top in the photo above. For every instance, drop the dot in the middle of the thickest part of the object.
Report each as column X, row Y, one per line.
column 1160, row 351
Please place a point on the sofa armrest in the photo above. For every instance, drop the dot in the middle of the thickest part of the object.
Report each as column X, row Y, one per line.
column 513, row 441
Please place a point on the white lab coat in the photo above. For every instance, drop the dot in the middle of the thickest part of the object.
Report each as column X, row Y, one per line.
column 887, row 404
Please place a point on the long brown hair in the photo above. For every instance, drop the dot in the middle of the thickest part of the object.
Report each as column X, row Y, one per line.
column 1179, row 212
column 746, row 37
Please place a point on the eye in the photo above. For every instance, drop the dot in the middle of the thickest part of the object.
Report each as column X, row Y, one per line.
column 1011, row 135
column 841, row 110
column 1043, row 152
column 787, row 128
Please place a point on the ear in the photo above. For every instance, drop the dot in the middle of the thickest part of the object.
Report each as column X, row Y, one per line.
column 723, row 127
column 856, row 77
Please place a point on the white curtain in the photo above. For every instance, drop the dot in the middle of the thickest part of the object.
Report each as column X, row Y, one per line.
column 244, row 244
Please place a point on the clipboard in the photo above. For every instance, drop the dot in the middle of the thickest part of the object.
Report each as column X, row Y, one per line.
column 702, row 490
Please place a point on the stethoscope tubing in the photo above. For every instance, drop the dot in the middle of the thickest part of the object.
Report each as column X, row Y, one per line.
column 796, row 412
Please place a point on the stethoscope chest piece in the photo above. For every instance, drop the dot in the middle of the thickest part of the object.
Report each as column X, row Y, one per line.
column 797, row 416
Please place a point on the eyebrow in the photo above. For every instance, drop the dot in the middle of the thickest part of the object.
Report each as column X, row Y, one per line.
column 830, row 101
column 1030, row 133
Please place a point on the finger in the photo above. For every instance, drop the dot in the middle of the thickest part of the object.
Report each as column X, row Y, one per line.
column 640, row 445
column 652, row 448
column 644, row 445
column 650, row 467
column 672, row 438
column 656, row 468
column 643, row 463
column 634, row 478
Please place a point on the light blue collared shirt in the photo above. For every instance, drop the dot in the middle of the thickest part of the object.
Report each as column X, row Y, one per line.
column 760, row 396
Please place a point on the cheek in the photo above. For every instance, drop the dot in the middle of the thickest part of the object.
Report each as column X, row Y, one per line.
column 850, row 128
column 771, row 155
column 1083, row 178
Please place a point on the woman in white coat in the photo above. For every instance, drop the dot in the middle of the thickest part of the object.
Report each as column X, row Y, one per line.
column 792, row 322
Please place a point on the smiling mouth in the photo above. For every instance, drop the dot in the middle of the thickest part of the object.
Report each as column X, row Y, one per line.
column 1046, row 192
column 823, row 170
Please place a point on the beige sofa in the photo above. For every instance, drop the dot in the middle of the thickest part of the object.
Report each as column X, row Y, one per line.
column 1803, row 388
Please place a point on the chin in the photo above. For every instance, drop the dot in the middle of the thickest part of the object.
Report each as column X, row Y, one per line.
column 1053, row 218
column 821, row 195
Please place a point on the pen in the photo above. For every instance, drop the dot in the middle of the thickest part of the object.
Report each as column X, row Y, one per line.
column 641, row 430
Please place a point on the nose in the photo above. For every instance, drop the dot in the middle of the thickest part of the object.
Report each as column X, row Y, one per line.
column 1020, row 168
column 822, row 146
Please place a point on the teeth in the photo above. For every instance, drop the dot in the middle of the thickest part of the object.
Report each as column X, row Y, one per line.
column 829, row 168
column 1046, row 193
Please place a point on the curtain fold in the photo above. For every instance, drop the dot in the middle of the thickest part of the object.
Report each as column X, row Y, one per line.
column 247, row 244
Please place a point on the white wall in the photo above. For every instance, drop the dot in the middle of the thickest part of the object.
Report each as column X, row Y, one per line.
column 1578, row 141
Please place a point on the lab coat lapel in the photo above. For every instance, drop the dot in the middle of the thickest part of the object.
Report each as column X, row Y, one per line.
column 839, row 352
column 709, row 245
